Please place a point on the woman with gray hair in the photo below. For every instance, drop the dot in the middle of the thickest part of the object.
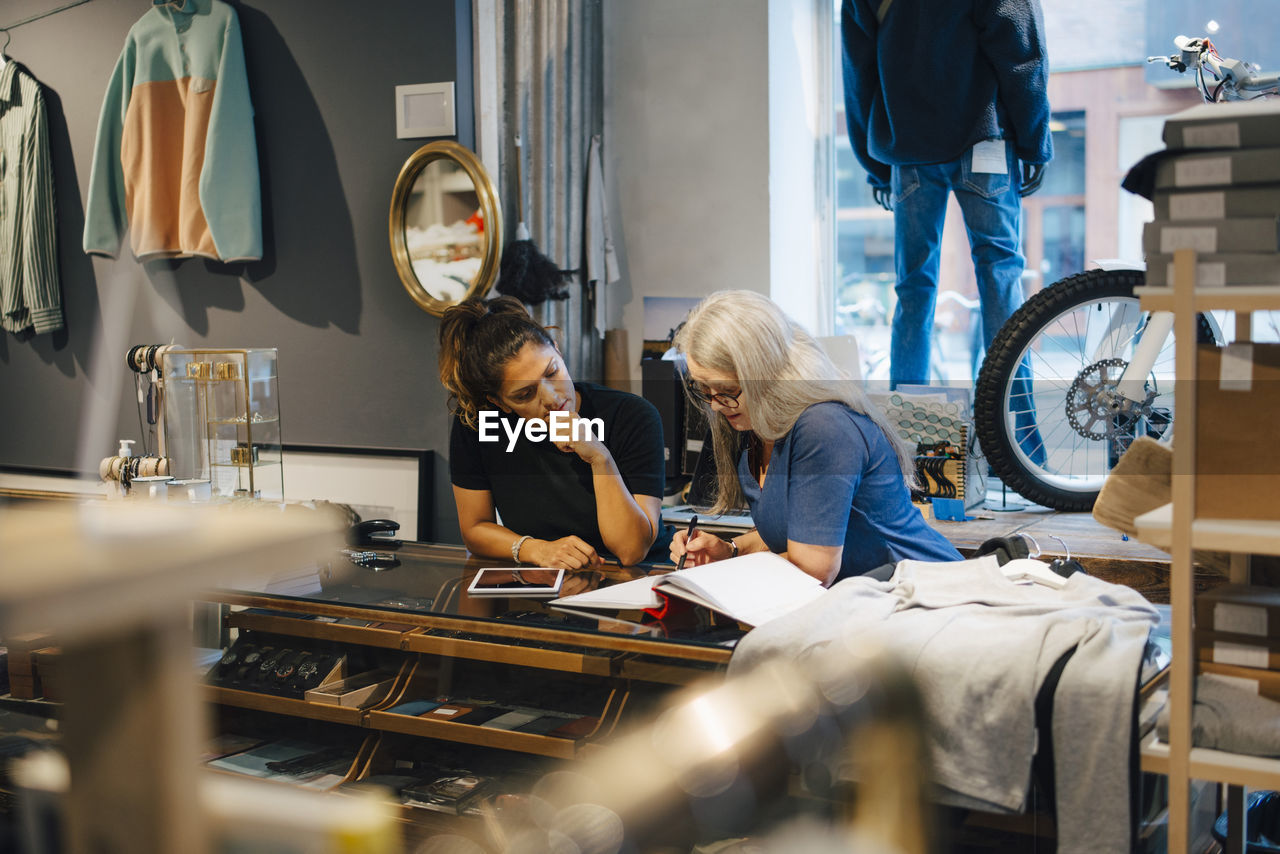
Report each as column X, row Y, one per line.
column 798, row 442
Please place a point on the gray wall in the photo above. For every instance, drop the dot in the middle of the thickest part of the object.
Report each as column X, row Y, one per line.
column 357, row 358
column 687, row 136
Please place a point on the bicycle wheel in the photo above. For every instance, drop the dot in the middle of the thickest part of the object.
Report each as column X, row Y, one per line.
column 1045, row 410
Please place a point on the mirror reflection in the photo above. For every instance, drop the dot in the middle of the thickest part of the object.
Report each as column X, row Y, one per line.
column 444, row 230
column 445, row 225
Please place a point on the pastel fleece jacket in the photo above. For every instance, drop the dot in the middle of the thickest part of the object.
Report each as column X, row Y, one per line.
column 176, row 162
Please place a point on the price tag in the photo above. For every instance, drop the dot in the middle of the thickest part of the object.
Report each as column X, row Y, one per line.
column 989, row 157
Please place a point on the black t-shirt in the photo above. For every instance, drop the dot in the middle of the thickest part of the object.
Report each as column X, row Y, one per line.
column 544, row 492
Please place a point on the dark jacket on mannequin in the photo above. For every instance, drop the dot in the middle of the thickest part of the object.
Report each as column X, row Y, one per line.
column 937, row 76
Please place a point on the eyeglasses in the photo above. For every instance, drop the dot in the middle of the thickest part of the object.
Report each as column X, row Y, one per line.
column 700, row 394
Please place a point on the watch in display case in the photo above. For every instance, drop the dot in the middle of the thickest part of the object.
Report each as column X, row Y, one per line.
column 260, row 673
column 288, row 664
column 230, row 662
column 310, row 672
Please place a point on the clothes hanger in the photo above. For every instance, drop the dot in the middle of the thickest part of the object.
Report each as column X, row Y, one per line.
column 1030, row 569
column 4, row 58
column 1068, row 565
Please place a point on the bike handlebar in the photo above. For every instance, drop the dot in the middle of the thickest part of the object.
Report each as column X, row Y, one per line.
column 1235, row 79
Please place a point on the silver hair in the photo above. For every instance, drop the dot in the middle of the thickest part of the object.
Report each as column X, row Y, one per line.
column 781, row 368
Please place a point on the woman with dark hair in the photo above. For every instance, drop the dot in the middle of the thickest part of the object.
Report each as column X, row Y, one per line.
column 824, row 474
column 575, row 471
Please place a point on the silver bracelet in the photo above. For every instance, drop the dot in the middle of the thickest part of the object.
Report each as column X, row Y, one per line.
column 515, row 547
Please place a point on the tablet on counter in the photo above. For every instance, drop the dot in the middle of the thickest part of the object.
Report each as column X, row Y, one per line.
column 521, row 581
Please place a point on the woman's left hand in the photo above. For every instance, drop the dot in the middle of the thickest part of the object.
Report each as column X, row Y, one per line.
column 589, row 451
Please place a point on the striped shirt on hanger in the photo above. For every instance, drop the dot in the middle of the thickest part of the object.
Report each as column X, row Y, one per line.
column 29, row 294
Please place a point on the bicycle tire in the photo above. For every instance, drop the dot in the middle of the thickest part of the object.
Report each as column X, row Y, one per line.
column 1026, row 339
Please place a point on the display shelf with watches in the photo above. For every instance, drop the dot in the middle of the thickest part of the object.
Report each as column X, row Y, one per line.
column 266, row 691
column 291, row 666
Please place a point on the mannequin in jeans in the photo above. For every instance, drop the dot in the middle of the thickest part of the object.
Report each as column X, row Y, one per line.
column 941, row 97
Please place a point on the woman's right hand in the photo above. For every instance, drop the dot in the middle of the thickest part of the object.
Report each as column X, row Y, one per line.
column 566, row 552
column 702, row 548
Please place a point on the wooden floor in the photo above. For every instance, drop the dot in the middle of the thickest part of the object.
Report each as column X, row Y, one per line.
column 1103, row 552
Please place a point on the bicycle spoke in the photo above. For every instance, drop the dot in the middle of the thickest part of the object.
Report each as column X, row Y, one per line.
column 1077, row 336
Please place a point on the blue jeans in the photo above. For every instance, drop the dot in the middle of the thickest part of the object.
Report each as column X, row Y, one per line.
column 992, row 210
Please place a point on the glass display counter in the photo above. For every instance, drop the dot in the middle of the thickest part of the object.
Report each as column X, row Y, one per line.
column 412, row 682
column 424, row 586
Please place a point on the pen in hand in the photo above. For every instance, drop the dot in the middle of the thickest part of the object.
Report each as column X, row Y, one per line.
column 688, row 535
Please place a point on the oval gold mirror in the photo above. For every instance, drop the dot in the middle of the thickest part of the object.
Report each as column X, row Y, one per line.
column 446, row 227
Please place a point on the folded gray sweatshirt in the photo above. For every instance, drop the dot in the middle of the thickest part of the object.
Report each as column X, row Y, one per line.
column 1227, row 716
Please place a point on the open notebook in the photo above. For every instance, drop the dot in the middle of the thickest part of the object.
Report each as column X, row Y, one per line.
column 752, row 589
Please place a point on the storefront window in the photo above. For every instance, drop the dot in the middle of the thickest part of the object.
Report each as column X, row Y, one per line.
column 1108, row 106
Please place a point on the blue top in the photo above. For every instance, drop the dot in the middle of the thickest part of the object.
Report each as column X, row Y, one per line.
column 936, row 76
column 835, row 480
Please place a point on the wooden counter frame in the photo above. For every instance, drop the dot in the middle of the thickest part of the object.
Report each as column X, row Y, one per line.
column 597, row 641
column 620, row 661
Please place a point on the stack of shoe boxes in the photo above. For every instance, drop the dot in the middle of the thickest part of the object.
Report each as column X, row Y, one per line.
column 1238, row 636
column 1217, row 191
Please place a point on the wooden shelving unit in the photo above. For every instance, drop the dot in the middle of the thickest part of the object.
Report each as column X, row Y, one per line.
column 1221, row 535
column 1230, row 768
column 1233, row 298
column 1176, row 528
